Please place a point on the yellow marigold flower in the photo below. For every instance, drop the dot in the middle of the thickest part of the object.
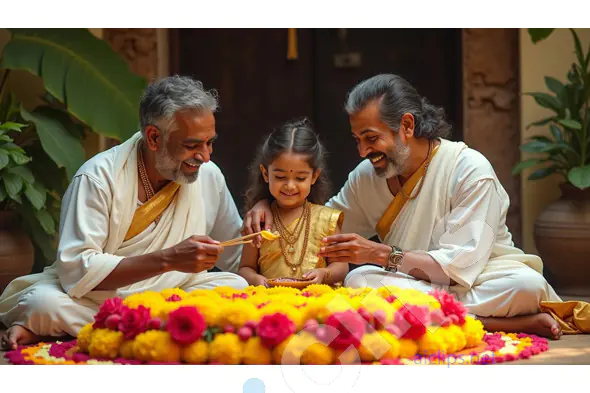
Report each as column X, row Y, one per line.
column 195, row 353
column 431, row 344
column 166, row 293
column 237, row 313
column 355, row 292
column 226, row 291
column 296, row 316
column 282, row 290
column 348, row 356
column 473, row 330
column 126, row 349
column 290, row 350
column 146, row 299
column 85, row 337
column 256, row 353
column 226, row 348
column 318, row 289
column 407, row 348
column 317, row 353
column 156, row 346
column 163, row 309
column 454, row 338
column 293, row 300
column 258, row 289
column 210, row 309
column 259, row 299
column 379, row 345
column 374, row 303
column 204, row 293
column 105, row 343
column 322, row 307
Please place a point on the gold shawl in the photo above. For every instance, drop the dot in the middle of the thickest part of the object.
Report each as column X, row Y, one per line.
column 384, row 225
column 149, row 211
column 573, row 316
column 271, row 263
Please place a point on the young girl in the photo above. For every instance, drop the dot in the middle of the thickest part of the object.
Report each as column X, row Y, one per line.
column 289, row 171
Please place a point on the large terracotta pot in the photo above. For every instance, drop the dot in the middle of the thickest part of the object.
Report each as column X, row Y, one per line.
column 16, row 250
column 562, row 237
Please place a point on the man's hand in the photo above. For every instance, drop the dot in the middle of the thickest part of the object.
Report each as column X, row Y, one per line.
column 352, row 248
column 318, row 276
column 259, row 213
column 193, row 255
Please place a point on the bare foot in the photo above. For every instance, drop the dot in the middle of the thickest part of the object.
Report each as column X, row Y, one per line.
column 18, row 335
column 541, row 324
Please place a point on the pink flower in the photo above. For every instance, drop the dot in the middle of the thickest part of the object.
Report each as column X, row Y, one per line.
column 438, row 318
column 110, row 306
column 412, row 321
column 155, row 324
column 391, row 298
column 186, row 325
column 229, row 329
column 350, row 327
column 244, row 333
column 311, row 325
column 274, row 329
column 450, row 306
column 112, row 321
column 174, row 298
column 134, row 321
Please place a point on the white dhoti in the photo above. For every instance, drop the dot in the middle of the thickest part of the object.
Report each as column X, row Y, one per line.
column 459, row 219
column 97, row 211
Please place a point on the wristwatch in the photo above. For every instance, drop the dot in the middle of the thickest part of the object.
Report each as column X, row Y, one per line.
column 395, row 260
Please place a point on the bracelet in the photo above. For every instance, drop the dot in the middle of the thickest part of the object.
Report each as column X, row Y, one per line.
column 328, row 275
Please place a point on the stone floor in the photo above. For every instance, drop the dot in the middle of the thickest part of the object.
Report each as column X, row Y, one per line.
column 571, row 349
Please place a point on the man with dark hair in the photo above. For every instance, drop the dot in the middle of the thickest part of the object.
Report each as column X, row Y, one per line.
column 135, row 218
column 438, row 209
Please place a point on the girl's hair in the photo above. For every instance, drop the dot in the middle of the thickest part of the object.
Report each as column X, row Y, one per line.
column 293, row 137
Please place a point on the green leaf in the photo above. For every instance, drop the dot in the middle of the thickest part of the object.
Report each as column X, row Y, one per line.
column 19, row 158
column 556, row 132
column 12, row 147
column 17, row 198
column 23, row 172
column 546, row 101
column 42, row 239
column 5, row 138
column 579, row 51
column 574, row 125
column 543, row 172
column 541, row 122
column 3, row 194
column 36, row 197
column 84, row 73
column 4, row 160
column 541, row 138
column 539, row 34
column 554, row 85
column 525, row 164
column 46, row 221
column 12, row 126
column 580, row 176
column 537, row 146
column 13, row 184
column 65, row 149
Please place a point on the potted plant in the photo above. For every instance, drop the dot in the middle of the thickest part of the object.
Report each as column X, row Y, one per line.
column 562, row 230
column 20, row 195
column 89, row 88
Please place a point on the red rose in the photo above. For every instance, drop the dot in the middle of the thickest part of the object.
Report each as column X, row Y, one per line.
column 350, row 327
column 174, row 298
column 109, row 307
column 134, row 321
column 186, row 325
column 274, row 329
column 412, row 321
column 450, row 306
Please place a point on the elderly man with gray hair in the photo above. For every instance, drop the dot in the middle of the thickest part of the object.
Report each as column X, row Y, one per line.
column 141, row 216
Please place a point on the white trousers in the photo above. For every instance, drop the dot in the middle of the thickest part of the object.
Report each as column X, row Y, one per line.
column 501, row 290
column 46, row 310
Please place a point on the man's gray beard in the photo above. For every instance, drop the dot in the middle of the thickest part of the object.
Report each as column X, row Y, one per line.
column 396, row 161
column 171, row 170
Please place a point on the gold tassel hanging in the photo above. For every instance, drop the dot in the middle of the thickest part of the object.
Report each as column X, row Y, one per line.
column 292, row 44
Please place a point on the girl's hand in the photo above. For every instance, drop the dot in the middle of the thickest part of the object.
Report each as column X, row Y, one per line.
column 319, row 276
column 259, row 280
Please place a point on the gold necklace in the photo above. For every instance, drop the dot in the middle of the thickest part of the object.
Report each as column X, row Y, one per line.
column 145, row 181
column 290, row 238
column 428, row 158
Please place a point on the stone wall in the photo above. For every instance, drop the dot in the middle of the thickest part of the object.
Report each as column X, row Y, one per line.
column 138, row 46
column 491, row 107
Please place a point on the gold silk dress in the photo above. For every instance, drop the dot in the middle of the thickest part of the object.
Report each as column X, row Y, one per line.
column 272, row 264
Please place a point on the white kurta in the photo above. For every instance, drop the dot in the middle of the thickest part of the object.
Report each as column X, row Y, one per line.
column 459, row 219
column 97, row 210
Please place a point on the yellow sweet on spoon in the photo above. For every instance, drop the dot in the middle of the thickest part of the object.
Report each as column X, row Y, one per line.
column 268, row 235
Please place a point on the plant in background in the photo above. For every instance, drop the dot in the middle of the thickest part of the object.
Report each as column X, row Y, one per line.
column 89, row 88
column 567, row 151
